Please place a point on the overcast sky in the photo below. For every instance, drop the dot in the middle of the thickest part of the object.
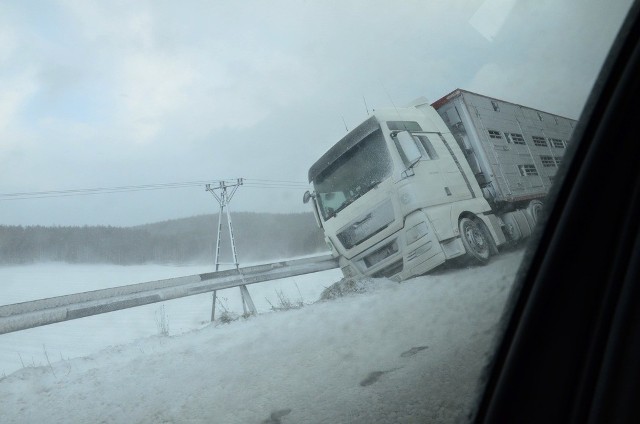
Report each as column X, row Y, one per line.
column 120, row 93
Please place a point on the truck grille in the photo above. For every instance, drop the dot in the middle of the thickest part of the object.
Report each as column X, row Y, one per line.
column 367, row 225
column 390, row 271
column 381, row 254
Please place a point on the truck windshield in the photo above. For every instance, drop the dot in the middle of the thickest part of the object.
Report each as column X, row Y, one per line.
column 353, row 174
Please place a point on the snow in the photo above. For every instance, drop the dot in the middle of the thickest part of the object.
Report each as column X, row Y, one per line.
column 409, row 352
column 84, row 336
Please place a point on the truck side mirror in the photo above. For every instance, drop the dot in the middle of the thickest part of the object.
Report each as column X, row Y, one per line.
column 408, row 148
column 306, row 197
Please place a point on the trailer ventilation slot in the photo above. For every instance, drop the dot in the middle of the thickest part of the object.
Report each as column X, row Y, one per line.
column 548, row 161
column 495, row 134
column 515, row 138
column 527, row 170
column 539, row 141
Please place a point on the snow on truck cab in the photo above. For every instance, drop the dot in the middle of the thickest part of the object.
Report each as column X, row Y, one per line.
column 410, row 188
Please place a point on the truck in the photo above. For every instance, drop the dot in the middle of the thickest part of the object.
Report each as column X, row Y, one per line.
column 413, row 187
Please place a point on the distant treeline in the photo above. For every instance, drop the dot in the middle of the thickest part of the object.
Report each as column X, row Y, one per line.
column 258, row 236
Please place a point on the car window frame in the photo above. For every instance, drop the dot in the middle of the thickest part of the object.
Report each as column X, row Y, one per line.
column 561, row 358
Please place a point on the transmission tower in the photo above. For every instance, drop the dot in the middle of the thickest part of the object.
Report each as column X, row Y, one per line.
column 223, row 192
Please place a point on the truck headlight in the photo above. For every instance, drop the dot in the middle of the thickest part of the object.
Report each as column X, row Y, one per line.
column 348, row 272
column 416, row 232
column 330, row 245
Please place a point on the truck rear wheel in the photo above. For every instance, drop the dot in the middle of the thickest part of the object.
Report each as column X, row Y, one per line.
column 475, row 241
column 534, row 209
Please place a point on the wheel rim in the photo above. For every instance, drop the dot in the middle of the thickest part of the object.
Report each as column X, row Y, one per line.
column 476, row 239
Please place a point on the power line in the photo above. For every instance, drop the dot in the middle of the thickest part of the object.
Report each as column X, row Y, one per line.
column 277, row 185
column 98, row 189
column 275, row 181
column 276, row 188
column 252, row 183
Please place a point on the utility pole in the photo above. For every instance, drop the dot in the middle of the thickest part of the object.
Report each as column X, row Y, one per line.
column 223, row 193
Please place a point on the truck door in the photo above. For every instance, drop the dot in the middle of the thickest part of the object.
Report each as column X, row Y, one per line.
column 445, row 166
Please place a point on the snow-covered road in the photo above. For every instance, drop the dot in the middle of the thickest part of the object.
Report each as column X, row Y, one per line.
column 400, row 353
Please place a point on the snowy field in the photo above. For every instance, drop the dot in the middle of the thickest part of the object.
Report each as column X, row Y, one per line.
column 410, row 352
column 84, row 336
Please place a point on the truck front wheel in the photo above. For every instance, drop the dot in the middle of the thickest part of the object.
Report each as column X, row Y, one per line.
column 475, row 241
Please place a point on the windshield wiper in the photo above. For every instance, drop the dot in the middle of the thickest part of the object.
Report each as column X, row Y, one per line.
column 344, row 205
column 372, row 184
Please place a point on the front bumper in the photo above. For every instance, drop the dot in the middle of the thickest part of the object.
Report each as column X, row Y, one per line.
column 402, row 255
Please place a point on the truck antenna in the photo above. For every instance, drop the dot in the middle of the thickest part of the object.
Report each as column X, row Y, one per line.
column 390, row 99
column 345, row 124
column 365, row 104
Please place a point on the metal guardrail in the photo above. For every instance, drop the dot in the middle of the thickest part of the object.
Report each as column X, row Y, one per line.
column 21, row 316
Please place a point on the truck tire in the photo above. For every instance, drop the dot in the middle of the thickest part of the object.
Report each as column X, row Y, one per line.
column 475, row 241
column 534, row 209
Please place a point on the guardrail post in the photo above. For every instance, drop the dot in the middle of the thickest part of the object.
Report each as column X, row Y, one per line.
column 213, row 306
column 247, row 302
